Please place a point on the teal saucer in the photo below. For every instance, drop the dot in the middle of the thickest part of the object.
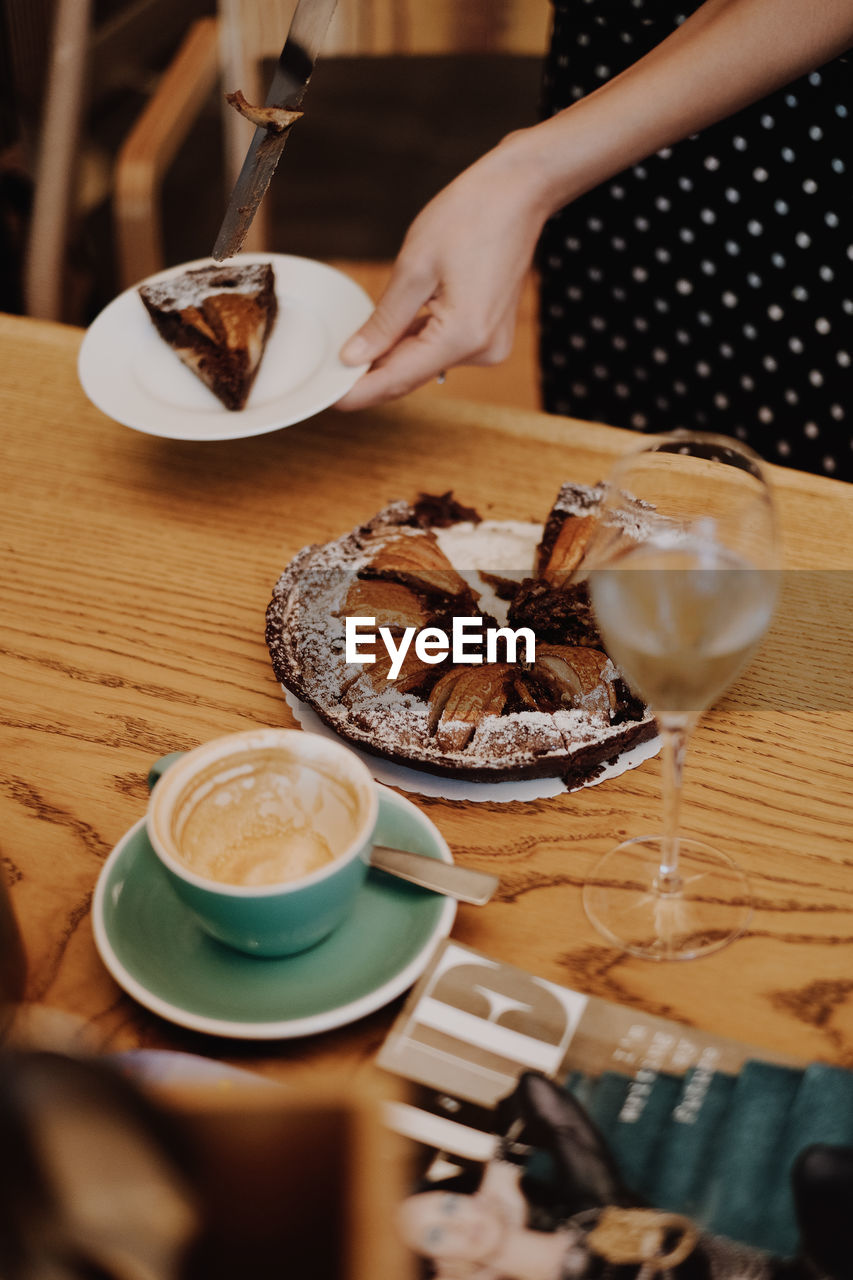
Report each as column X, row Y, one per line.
column 159, row 955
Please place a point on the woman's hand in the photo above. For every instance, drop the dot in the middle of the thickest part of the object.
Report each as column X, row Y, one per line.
column 454, row 292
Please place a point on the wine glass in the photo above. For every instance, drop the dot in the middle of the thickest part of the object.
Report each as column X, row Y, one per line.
column 683, row 584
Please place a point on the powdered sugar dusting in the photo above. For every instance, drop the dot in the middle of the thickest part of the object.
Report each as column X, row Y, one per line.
column 190, row 288
column 418, row 782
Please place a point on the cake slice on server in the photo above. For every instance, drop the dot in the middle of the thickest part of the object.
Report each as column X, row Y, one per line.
column 217, row 320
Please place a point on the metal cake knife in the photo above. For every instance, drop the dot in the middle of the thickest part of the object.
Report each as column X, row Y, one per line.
column 301, row 49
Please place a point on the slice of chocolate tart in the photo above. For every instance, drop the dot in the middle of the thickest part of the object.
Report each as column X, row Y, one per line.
column 217, row 320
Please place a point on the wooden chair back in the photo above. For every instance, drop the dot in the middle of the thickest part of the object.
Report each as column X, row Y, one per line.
column 234, row 47
column 252, row 31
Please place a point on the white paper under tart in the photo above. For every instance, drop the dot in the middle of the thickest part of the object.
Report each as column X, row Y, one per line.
column 505, row 548
column 423, row 783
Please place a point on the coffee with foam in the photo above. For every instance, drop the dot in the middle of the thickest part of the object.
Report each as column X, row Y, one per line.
column 264, row 819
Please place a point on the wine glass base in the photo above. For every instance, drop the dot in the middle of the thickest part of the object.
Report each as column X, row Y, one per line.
column 623, row 900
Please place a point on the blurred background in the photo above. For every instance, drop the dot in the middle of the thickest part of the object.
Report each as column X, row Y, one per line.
column 102, row 99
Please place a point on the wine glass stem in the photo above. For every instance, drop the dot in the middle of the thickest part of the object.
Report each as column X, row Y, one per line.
column 675, row 733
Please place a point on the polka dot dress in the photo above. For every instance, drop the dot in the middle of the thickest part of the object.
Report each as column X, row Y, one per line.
column 711, row 286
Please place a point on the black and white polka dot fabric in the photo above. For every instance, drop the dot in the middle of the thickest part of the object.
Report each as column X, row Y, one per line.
column 711, row 286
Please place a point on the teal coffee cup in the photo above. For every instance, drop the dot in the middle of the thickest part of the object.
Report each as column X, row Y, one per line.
column 265, row 835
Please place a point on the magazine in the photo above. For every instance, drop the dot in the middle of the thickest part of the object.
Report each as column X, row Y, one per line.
column 698, row 1124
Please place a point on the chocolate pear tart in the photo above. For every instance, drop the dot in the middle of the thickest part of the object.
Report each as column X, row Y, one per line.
column 217, row 321
column 563, row 711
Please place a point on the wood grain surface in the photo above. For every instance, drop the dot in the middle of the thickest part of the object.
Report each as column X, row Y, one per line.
column 136, row 572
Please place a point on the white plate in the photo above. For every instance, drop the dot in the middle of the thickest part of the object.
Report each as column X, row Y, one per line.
column 131, row 374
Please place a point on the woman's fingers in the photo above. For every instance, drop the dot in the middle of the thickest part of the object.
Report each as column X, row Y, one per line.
column 431, row 345
column 406, row 293
column 501, row 337
column 420, row 355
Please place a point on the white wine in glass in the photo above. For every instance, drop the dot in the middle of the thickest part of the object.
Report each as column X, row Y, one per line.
column 683, row 583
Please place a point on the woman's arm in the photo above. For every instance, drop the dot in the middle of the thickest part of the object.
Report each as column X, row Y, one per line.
column 728, row 54
column 454, row 292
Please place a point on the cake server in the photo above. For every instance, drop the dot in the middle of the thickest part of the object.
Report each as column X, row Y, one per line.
column 307, row 29
column 431, row 873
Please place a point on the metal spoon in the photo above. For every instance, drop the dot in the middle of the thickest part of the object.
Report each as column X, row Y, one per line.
column 431, row 873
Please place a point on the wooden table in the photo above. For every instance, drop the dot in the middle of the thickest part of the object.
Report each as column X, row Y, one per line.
column 136, row 572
